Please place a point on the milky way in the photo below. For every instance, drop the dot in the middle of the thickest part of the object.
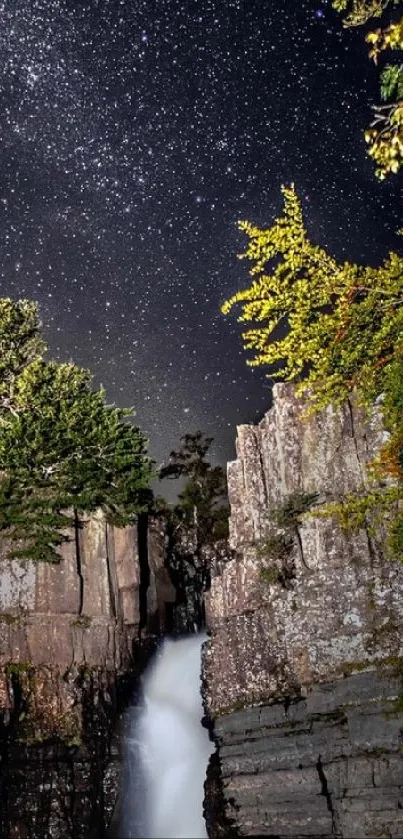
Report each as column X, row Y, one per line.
column 134, row 135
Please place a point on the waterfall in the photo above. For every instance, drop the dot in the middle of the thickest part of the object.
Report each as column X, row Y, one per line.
column 167, row 748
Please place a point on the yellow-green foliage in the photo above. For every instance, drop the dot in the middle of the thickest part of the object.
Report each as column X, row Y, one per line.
column 385, row 140
column 390, row 38
column 382, row 504
column 369, row 510
column 385, row 134
column 360, row 11
column 336, row 324
column 333, row 327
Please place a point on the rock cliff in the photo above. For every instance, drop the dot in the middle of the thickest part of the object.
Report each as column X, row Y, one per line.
column 303, row 671
column 68, row 639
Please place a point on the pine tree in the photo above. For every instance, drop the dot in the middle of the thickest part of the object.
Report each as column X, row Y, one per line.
column 202, row 504
column 61, row 447
column 20, row 343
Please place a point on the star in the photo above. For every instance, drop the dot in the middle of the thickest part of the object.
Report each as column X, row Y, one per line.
column 134, row 137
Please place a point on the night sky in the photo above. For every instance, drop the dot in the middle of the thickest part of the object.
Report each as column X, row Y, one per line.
column 134, row 135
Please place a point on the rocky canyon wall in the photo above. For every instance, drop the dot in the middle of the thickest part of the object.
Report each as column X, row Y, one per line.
column 303, row 671
column 68, row 633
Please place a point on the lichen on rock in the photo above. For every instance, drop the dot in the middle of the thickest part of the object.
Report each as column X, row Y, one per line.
column 283, row 654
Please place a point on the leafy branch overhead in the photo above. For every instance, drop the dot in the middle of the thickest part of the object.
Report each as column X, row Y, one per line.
column 385, row 134
column 392, row 82
column 360, row 11
column 61, row 446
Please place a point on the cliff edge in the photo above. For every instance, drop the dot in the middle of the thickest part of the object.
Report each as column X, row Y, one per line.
column 72, row 636
column 303, row 674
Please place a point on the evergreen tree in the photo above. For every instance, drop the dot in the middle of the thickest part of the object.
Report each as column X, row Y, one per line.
column 20, row 343
column 334, row 328
column 61, row 447
column 202, row 504
column 336, row 325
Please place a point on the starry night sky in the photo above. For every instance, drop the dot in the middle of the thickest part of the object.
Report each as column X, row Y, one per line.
column 134, row 135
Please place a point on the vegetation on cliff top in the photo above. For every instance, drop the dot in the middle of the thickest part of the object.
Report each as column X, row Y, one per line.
column 62, row 448
column 334, row 329
column 337, row 328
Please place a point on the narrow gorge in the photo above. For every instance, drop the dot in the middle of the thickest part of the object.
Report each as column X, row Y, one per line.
column 302, row 672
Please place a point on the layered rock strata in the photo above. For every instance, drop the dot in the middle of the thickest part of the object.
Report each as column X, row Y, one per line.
column 324, row 766
column 309, row 732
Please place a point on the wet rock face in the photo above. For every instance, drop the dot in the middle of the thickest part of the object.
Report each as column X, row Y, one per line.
column 84, row 610
column 191, row 566
column 188, row 573
column 51, row 788
column 324, row 766
column 278, row 639
column 217, row 814
column 70, row 635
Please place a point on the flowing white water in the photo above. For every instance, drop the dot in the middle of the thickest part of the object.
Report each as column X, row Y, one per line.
column 168, row 749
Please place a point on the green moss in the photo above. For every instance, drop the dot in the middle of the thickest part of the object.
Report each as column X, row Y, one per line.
column 36, row 737
column 394, row 664
column 338, row 716
column 32, row 738
column 226, row 710
column 16, row 668
column 390, row 627
column 396, row 538
column 270, row 575
column 74, row 742
column 376, row 752
column 391, row 665
column 82, row 620
column 371, row 596
column 39, row 718
column 347, row 668
column 10, row 619
column 275, row 546
column 398, row 704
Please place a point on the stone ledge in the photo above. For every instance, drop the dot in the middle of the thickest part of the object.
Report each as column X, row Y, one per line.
column 284, row 777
